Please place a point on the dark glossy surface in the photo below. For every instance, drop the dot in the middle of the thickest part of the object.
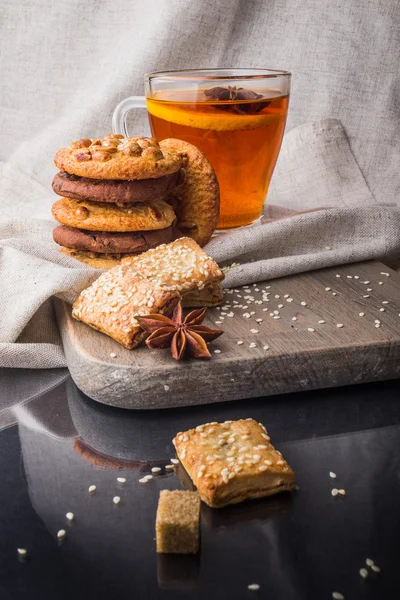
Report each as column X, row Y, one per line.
column 296, row 547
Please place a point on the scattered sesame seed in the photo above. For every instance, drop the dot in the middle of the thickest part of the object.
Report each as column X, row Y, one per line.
column 70, row 516
column 246, row 315
column 254, row 587
column 61, row 534
column 334, row 294
column 217, row 351
column 175, row 461
column 356, row 277
column 276, row 312
column 342, row 492
column 294, row 318
column 148, row 477
column 92, row 489
column 327, row 289
column 116, row 499
column 252, row 345
column 349, row 276
column 321, row 322
column 266, row 347
column 289, row 300
column 143, row 480
column 280, row 305
column 366, row 296
column 337, row 275
column 286, row 296
column 385, row 302
column 377, row 321
column 334, row 492
column 262, row 468
column 332, row 474
column 240, row 342
column 230, row 314
column 259, row 320
column 375, row 568
column 381, row 310
column 377, row 325
column 364, row 573
column 337, row 596
column 366, row 282
column 369, row 562
column 113, row 355
column 303, row 303
column 121, row 479
column 169, row 467
column 218, row 322
column 328, row 248
column 310, row 329
column 361, row 314
column 339, row 325
column 253, row 330
column 383, row 273
column 156, row 469
column 277, row 296
column 369, row 289
column 276, row 317
column 22, row 551
column 380, row 282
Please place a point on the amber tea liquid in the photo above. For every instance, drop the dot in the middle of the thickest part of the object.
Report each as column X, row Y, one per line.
column 241, row 139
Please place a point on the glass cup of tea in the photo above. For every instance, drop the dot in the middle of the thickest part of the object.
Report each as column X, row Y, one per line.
column 236, row 117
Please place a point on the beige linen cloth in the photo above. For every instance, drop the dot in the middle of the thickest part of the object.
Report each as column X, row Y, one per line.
column 316, row 168
column 62, row 78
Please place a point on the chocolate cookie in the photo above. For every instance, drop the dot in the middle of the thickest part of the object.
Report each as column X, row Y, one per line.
column 116, row 157
column 111, row 243
column 98, row 216
column 116, row 191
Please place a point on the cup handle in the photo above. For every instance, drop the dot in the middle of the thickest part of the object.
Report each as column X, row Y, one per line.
column 121, row 111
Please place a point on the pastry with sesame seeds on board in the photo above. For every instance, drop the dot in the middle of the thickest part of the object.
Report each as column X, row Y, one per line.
column 233, row 461
column 118, row 185
column 112, row 302
column 183, row 266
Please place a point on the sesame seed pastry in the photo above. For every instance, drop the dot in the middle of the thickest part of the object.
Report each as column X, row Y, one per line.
column 111, row 303
column 116, row 157
column 197, row 192
column 98, row 216
column 233, row 461
column 210, row 295
column 181, row 265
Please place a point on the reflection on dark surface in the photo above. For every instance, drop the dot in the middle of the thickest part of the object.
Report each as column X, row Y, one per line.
column 295, row 546
column 178, row 572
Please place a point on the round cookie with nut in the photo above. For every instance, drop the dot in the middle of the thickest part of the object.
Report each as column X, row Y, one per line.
column 196, row 194
column 116, row 157
column 96, row 216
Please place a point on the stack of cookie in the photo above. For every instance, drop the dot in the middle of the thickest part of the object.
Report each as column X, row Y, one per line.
column 123, row 196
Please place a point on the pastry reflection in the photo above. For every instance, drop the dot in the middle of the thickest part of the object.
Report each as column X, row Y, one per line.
column 253, row 511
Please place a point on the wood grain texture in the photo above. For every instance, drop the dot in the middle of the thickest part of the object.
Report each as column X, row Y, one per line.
column 297, row 358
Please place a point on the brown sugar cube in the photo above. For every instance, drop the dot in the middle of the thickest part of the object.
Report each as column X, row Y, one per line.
column 112, row 302
column 177, row 522
column 233, row 461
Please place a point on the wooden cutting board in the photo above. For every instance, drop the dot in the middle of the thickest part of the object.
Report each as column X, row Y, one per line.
column 303, row 349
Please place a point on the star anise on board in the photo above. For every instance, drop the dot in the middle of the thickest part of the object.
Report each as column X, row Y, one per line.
column 181, row 334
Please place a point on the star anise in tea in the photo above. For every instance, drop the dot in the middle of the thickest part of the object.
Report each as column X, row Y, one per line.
column 181, row 334
column 233, row 94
